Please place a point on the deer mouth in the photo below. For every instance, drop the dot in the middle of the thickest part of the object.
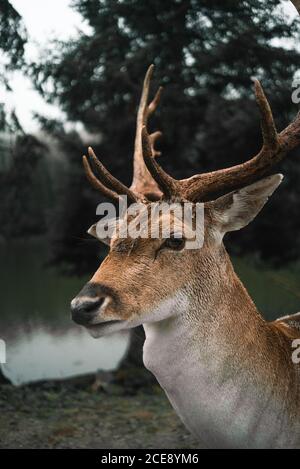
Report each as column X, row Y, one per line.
column 107, row 327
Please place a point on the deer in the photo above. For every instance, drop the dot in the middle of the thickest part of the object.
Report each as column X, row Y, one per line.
column 227, row 372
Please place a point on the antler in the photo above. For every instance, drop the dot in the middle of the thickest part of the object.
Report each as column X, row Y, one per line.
column 205, row 186
column 150, row 181
column 142, row 181
column 143, row 184
column 108, row 185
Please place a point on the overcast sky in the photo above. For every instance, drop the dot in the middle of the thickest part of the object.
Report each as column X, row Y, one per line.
column 45, row 20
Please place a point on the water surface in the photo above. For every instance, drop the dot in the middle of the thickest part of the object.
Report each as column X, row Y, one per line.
column 41, row 340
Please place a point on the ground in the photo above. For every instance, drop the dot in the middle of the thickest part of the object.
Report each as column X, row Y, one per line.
column 81, row 413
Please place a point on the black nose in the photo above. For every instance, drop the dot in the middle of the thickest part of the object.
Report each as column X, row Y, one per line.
column 85, row 306
column 85, row 309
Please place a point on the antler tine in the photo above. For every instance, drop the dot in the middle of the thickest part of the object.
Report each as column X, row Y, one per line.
column 142, row 180
column 96, row 183
column 167, row 184
column 153, row 137
column 143, row 184
column 154, row 103
column 150, row 110
column 110, row 180
column 270, row 136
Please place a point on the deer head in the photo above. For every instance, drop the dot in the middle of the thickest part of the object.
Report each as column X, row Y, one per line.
column 144, row 279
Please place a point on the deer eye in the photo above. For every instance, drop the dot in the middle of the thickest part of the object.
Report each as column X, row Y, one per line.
column 176, row 244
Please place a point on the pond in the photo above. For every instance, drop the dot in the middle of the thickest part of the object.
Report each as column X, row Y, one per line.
column 41, row 340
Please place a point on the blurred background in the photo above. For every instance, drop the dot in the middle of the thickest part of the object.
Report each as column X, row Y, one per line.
column 70, row 76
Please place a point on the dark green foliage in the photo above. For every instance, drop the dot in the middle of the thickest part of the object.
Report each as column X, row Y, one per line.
column 13, row 37
column 205, row 52
column 23, row 190
column 73, row 249
column 24, row 182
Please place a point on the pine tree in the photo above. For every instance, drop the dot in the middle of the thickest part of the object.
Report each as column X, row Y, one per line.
column 22, row 192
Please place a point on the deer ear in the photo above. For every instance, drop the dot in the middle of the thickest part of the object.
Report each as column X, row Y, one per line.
column 237, row 209
column 104, row 229
column 93, row 232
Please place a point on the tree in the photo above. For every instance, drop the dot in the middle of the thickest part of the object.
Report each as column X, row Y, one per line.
column 12, row 41
column 23, row 190
column 205, row 52
column 22, row 178
column 13, row 38
column 3, row 379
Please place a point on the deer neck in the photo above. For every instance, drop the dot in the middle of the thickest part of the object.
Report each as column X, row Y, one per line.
column 215, row 308
column 213, row 360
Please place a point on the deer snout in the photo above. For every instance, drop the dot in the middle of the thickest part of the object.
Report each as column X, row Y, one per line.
column 90, row 304
column 84, row 310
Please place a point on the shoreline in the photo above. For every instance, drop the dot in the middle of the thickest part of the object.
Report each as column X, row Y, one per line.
column 90, row 411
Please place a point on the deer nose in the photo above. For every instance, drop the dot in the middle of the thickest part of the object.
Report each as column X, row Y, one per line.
column 85, row 309
column 91, row 303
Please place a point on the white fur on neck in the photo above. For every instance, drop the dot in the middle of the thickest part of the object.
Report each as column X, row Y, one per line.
column 167, row 308
column 219, row 408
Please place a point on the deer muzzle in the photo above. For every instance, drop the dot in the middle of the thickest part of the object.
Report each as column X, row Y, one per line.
column 92, row 302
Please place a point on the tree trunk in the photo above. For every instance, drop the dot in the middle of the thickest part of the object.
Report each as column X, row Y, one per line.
column 131, row 373
column 134, row 353
column 3, row 379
